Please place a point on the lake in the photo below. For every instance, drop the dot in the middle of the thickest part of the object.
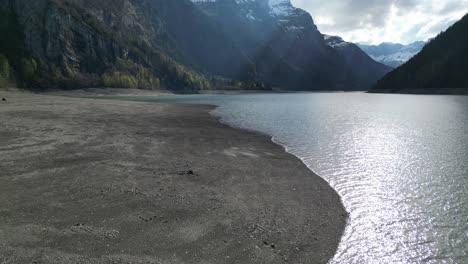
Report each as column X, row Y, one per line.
column 399, row 162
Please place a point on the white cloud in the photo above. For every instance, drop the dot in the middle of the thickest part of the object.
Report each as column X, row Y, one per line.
column 376, row 21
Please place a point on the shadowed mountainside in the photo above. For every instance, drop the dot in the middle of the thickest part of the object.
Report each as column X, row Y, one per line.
column 152, row 44
column 287, row 49
column 441, row 67
column 73, row 43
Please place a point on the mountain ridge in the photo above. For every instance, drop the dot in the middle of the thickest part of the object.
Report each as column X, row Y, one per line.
column 286, row 47
column 177, row 44
column 63, row 44
column 393, row 54
column 440, row 67
column 357, row 60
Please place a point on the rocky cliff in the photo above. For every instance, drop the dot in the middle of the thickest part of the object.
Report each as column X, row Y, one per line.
column 68, row 43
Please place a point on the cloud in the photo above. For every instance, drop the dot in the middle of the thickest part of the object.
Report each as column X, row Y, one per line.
column 376, row 21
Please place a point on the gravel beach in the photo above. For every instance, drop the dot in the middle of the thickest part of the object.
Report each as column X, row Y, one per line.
column 101, row 181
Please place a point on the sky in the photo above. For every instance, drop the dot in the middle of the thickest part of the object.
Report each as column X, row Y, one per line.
column 377, row 21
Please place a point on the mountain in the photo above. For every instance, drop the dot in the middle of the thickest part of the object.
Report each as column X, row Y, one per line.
column 393, row 54
column 177, row 44
column 140, row 43
column 361, row 65
column 441, row 66
column 286, row 47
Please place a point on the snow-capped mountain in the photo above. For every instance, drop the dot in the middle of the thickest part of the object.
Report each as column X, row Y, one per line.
column 336, row 42
column 280, row 8
column 178, row 44
column 281, row 11
column 440, row 67
column 393, row 54
column 357, row 60
column 285, row 46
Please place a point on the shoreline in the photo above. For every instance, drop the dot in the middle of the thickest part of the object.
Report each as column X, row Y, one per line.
column 96, row 92
column 442, row 91
column 167, row 183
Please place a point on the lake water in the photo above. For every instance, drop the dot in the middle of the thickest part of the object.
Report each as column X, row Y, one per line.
column 399, row 162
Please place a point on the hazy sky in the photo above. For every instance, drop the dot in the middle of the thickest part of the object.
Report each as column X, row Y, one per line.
column 376, row 21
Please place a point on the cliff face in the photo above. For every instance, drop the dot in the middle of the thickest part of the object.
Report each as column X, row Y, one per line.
column 195, row 39
column 176, row 27
column 58, row 38
column 119, row 43
column 57, row 45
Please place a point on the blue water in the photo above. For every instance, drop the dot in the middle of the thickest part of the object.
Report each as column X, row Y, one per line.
column 399, row 162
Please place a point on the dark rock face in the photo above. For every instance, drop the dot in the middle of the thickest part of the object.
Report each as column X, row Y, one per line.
column 62, row 42
column 185, row 33
column 77, row 41
column 54, row 44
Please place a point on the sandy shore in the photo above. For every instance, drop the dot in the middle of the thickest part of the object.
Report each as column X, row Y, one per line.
column 93, row 92
column 107, row 92
column 97, row 181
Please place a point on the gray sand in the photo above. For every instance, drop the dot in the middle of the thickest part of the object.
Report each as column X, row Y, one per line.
column 97, row 181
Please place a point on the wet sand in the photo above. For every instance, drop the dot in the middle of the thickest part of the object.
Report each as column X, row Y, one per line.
column 98, row 181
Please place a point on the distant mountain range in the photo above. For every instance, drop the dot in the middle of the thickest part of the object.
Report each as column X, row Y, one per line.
column 176, row 44
column 361, row 64
column 287, row 49
column 440, row 67
column 393, row 54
